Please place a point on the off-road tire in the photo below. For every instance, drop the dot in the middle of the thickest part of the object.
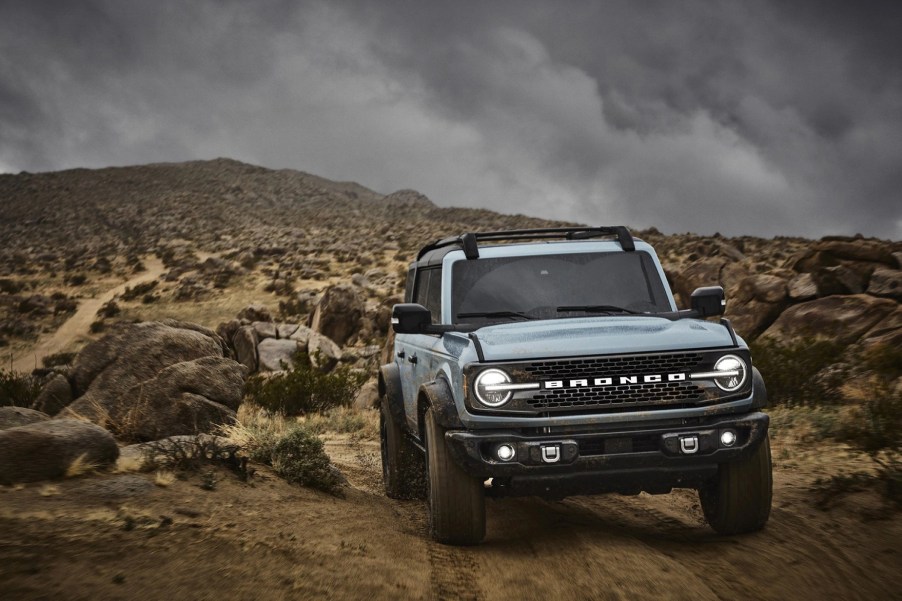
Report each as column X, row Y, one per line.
column 456, row 501
column 738, row 500
column 403, row 466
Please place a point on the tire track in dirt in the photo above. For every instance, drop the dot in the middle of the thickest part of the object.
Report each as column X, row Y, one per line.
column 80, row 322
column 454, row 574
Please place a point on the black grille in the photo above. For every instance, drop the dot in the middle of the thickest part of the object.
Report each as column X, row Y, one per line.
column 626, row 395
column 613, row 366
column 616, row 397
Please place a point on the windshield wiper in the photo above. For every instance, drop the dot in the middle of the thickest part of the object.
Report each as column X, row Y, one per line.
column 598, row 309
column 510, row 314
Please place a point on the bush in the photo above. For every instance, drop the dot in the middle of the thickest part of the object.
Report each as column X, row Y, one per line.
column 299, row 458
column 801, row 372
column 18, row 390
column 303, row 389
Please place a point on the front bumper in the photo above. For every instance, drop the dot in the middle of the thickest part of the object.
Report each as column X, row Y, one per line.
column 627, row 460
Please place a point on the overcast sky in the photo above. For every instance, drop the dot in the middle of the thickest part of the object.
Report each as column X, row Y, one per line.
column 740, row 117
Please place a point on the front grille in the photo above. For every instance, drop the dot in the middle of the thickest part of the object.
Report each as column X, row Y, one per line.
column 613, row 366
column 616, row 397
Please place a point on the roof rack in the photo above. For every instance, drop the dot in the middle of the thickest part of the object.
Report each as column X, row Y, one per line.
column 469, row 241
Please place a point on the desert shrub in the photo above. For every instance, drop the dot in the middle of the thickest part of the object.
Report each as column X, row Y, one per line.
column 303, row 389
column 191, row 453
column 299, row 457
column 18, row 390
column 139, row 290
column 109, row 309
column 343, row 420
column 801, row 372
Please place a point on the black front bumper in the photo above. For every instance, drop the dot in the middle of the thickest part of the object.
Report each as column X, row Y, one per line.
column 653, row 459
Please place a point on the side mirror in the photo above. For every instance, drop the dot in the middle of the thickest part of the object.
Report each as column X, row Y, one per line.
column 410, row 318
column 709, row 301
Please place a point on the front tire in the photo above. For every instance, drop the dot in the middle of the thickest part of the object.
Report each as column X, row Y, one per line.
column 403, row 468
column 738, row 500
column 456, row 501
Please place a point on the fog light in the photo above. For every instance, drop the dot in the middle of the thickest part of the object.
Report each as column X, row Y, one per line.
column 505, row 452
column 728, row 438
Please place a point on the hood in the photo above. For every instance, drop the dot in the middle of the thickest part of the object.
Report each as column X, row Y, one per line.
column 598, row 336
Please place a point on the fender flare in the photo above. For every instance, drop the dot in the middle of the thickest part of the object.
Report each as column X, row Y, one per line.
column 437, row 395
column 759, row 390
column 390, row 391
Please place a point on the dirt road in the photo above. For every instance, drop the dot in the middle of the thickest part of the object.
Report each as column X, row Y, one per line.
column 79, row 324
column 123, row 537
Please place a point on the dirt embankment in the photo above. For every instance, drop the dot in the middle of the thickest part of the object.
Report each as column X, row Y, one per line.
column 123, row 537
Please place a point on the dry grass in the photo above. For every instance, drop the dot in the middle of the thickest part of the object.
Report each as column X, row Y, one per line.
column 49, row 490
column 80, row 467
column 164, row 478
column 129, row 464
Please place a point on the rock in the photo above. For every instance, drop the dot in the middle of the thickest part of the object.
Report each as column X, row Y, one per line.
column 324, row 353
column 55, row 396
column 839, row 280
column 302, row 337
column 802, row 287
column 13, row 417
column 133, row 354
column 759, row 301
column 841, row 318
column 705, row 272
column 285, row 330
column 339, row 312
column 265, row 329
column 858, row 250
column 226, row 330
column 45, row 450
column 255, row 312
column 136, row 352
column 368, row 395
column 887, row 283
column 358, row 279
column 276, row 355
column 245, row 344
column 185, row 398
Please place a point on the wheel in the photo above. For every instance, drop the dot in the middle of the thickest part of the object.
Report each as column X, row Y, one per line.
column 456, row 501
column 403, row 468
column 738, row 499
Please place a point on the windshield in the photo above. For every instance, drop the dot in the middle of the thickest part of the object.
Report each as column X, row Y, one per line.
column 553, row 286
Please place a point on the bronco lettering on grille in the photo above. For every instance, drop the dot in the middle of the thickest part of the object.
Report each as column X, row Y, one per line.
column 612, row 381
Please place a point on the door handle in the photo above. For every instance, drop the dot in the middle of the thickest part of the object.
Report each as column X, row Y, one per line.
column 412, row 359
column 400, row 354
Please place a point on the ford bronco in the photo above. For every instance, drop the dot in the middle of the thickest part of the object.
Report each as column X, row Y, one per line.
column 554, row 362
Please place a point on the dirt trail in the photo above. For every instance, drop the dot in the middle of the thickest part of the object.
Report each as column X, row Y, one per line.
column 80, row 322
column 122, row 537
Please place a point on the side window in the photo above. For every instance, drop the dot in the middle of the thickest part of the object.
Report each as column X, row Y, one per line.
column 428, row 291
column 408, row 289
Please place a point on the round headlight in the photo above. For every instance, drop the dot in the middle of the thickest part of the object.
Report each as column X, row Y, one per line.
column 734, row 373
column 486, row 386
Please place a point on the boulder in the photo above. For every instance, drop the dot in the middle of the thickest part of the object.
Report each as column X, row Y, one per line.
column 840, row 279
column 265, row 329
column 285, row 330
column 255, row 312
column 245, row 344
column 55, row 396
column 185, row 398
column 339, row 312
column 841, row 318
column 135, row 352
column 13, row 417
column 276, row 355
column 302, row 337
column 802, row 287
column 887, row 283
column 759, row 301
column 856, row 250
column 46, row 449
column 368, row 395
column 705, row 272
column 324, row 353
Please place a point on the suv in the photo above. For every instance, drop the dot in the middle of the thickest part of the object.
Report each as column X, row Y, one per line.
column 557, row 364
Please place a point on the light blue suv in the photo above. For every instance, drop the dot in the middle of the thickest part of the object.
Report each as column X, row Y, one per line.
column 554, row 362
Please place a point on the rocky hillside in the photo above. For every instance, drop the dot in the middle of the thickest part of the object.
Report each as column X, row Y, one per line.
column 230, row 234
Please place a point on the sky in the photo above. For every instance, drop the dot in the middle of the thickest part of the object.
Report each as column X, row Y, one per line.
column 739, row 117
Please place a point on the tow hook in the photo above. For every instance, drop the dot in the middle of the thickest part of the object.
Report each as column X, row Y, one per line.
column 689, row 445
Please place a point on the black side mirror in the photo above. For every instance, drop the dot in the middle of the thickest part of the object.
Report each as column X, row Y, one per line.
column 410, row 318
column 708, row 301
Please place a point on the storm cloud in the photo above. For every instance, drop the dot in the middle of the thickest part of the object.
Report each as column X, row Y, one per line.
column 762, row 118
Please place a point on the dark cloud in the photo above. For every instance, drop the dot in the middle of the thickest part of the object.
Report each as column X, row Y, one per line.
column 764, row 118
